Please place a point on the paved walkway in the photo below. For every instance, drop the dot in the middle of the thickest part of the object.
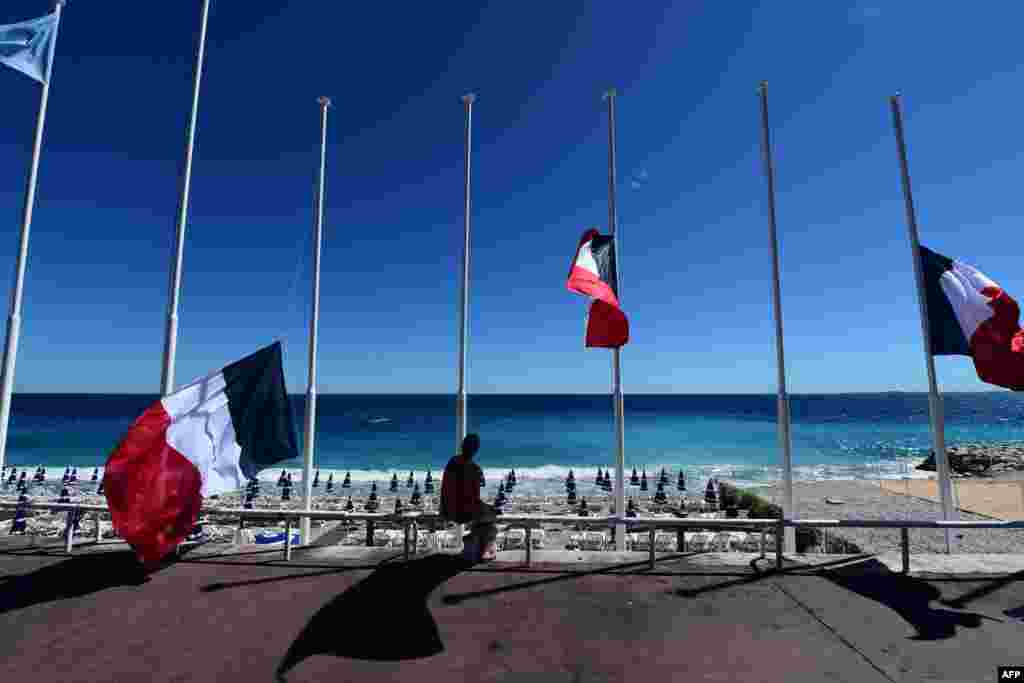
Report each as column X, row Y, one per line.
column 238, row 617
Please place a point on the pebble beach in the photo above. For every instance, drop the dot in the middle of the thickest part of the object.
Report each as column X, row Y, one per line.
column 995, row 493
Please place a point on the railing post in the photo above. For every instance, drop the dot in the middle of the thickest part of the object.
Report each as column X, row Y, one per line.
column 905, row 544
column 528, row 544
column 405, row 544
column 681, row 539
column 764, row 540
column 99, row 526
column 288, row 539
column 780, row 530
column 369, row 533
column 415, row 536
column 651, row 558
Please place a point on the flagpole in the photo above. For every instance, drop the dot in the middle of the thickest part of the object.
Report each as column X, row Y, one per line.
column 620, row 437
column 310, row 433
column 460, row 400
column 14, row 317
column 783, row 401
column 171, row 332
column 934, row 400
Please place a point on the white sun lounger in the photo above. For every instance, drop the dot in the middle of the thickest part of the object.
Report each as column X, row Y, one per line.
column 664, row 542
column 594, row 540
column 515, row 539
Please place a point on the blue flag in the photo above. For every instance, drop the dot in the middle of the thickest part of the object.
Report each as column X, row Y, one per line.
column 26, row 46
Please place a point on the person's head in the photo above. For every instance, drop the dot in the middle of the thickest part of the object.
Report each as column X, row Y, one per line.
column 470, row 445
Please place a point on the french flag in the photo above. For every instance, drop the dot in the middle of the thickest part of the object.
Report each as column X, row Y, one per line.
column 593, row 274
column 970, row 315
column 206, row 438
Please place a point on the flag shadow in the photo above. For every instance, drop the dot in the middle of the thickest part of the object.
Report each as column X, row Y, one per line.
column 393, row 601
column 80, row 575
column 909, row 597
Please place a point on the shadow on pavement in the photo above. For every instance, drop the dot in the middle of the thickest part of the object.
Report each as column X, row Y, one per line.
column 74, row 577
column 384, row 617
column 907, row 596
column 760, row 574
column 455, row 599
column 989, row 588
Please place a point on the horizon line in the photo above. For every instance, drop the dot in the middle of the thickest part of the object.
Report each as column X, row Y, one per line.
column 425, row 393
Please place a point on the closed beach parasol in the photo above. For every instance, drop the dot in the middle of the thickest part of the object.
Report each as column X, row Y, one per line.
column 409, row 481
column 634, row 480
column 349, row 507
column 428, row 484
column 330, row 482
column 74, row 475
column 394, row 483
column 316, row 480
column 347, row 482
column 282, row 479
column 416, row 500
column 659, row 495
column 681, row 484
column 710, row 493
column 95, row 474
column 20, row 522
column 643, row 481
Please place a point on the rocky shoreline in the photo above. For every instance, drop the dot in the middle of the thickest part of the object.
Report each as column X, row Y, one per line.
column 1000, row 460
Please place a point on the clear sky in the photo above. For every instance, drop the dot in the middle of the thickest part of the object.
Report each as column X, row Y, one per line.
column 694, row 256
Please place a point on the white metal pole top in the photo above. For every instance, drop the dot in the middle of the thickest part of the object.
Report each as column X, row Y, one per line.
column 324, row 101
column 611, row 92
column 469, row 98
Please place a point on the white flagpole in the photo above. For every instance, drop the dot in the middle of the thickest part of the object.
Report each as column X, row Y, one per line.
column 171, row 335
column 620, row 437
column 785, row 441
column 310, row 434
column 14, row 317
column 460, row 400
column 934, row 400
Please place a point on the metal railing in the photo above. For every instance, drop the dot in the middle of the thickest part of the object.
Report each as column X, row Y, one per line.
column 411, row 521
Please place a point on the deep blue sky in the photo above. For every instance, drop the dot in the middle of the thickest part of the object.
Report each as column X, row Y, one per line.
column 694, row 250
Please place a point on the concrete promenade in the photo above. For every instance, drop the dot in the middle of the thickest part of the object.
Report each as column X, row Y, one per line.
column 225, row 613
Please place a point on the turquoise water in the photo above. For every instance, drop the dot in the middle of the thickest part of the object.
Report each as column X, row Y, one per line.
column 542, row 437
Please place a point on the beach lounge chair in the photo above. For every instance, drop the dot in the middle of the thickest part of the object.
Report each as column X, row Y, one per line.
column 594, row 540
column 515, row 539
column 448, row 540
column 381, row 539
column 699, row 542
column 720, row 541
column 537, row 538
column 641, row 542
column 664, row 542
column 751, row 544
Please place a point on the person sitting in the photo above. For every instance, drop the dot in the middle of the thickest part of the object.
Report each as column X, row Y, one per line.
column 460, row 502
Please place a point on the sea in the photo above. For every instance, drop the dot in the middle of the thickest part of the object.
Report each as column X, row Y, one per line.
column 543, row 437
